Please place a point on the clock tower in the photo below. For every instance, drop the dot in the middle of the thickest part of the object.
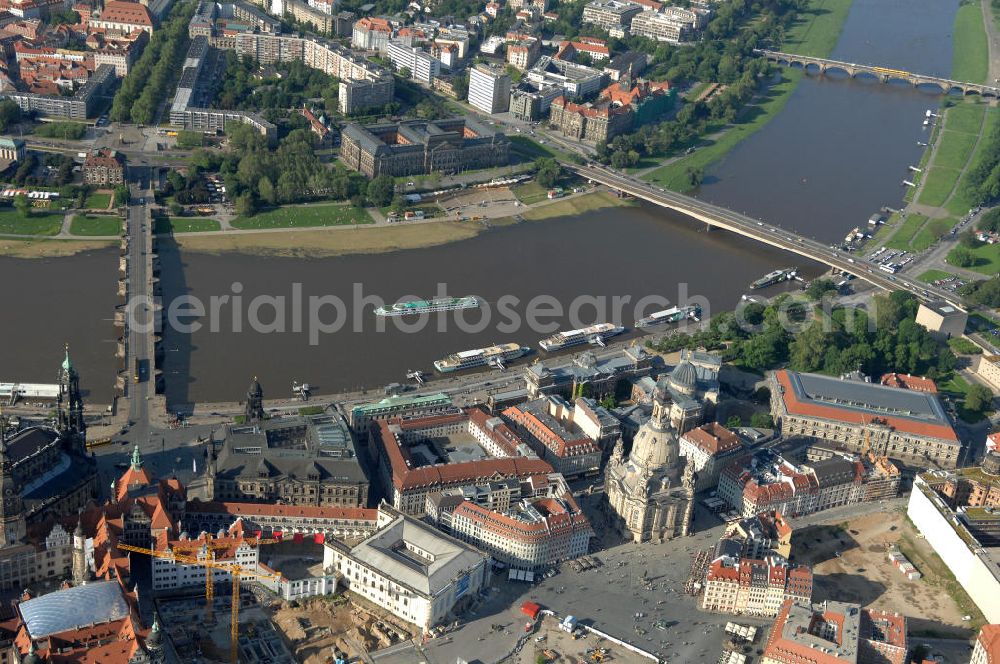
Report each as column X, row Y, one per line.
column 12, row 527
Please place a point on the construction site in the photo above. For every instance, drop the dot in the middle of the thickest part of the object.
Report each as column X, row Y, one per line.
column 272, row 631
column 852, row 562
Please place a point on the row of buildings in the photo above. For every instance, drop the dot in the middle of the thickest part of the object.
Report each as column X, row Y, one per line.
column 242, row 27
column 47, row 72
column 765, row 481
column 669, row 23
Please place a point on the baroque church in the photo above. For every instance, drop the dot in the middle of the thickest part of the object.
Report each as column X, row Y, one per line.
column 651, row 492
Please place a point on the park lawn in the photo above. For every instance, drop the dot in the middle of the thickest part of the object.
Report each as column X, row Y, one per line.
column 970, row 50
column 304, row 216
column 904, row 234
column 930, row 276
column 532, row 149
column 930, row 233
column 961, row 200
column 938, row 185
column 957, row 387
column 98, row 201
column 13, row 222
column 88, row 225
column 817, row 28
column 962, row 346
column 959, row 203
column 987, row 259
column 768, row 104
column 531, row 192
column 954, row 149
column 966, row 118
column 165, row 225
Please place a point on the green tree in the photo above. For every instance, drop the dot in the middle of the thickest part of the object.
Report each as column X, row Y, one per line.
column 969, row 240
column 694, row 177
column 266, row 190
column 10, row 113
column 176, row 208
column 820, row 287
column 734, row 422
column 245, row 205
column 23, row 205
column 380, row 190
column 547, row 171
column 978, row 398
column 762, row 421
column 961, row 256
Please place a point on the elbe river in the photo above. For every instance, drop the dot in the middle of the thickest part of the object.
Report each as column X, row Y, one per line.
column 836, row 153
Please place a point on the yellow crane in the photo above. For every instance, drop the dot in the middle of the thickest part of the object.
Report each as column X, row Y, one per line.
column 211, row 545
column 234, row 570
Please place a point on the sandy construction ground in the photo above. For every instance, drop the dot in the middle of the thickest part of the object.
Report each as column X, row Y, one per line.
column 849, row 564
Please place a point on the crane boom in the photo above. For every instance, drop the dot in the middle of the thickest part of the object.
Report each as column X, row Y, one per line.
column 235, row 570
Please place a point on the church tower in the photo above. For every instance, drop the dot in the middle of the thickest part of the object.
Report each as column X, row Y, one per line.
column 211, row 467
column 80, row 572
column 12, row 526
column 255, row 402
column 70, row 402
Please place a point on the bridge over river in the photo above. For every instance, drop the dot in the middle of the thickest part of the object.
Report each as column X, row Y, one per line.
column 720, row 217
column 884, row 74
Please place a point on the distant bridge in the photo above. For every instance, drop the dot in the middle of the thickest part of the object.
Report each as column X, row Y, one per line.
column 740, row 224
column 884, row 74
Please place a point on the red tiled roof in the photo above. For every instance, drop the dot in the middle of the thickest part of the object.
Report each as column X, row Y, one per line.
column 713, row 438
column 372, row 23
column 908, row 382
column 826, row 412
column 404, row 477
column 989, row 640
column 128, row 13
column 266, row 509
column 557, row 520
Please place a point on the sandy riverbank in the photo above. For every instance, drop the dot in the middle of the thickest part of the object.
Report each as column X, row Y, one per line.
column 381, row 239
column 39, row 248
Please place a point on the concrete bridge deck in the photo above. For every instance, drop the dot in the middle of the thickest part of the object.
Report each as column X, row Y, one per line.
column 720, row 217
column 884, row 74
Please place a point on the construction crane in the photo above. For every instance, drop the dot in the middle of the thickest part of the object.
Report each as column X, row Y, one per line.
column 211, row 545
column 234, row 570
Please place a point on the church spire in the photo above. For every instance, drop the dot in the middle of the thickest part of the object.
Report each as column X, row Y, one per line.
column 70, row 402
column 136, row 459
column 11, row 505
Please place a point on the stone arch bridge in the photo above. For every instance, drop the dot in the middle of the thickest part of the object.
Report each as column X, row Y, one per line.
column 883, row 74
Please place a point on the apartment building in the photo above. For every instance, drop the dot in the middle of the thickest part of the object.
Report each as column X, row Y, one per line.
column 835, row 633
column 609, row 14
column 422, row 65
column 489, row 88
column 542, row 527
column 709, row 447
column 371, row 34
column 548, row 425
column 755, row 587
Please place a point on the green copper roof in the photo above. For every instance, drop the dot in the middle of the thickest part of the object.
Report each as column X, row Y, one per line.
column 67, row 364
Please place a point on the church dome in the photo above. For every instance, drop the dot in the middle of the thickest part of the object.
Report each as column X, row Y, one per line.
column 655, row 447
column 684, row 377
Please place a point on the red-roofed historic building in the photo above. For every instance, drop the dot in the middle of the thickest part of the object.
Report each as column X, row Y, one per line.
column 900, row 423
column 755, row 587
